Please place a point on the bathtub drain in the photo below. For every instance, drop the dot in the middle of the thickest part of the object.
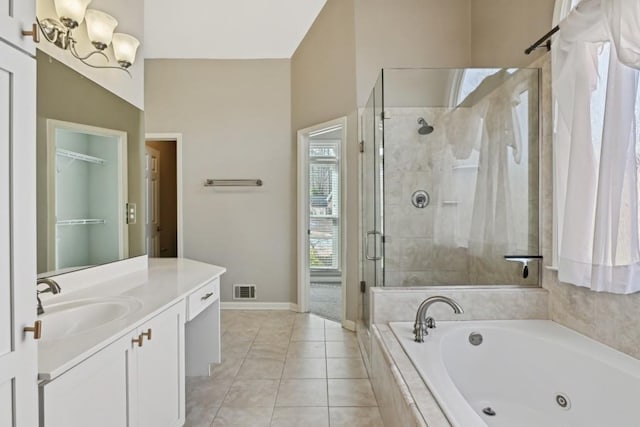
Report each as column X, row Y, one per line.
column 475, row 338
column 489, row 411
column 563, row 401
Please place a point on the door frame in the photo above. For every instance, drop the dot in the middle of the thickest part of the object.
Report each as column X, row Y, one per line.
column 304, row 279
column 177, row 138
column 52, row 126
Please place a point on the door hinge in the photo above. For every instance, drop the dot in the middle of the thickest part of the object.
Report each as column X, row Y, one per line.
column 361, row 146
column 385, row 115
column 363, row 286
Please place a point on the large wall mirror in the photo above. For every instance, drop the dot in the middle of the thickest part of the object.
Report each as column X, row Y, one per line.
column 90, row 189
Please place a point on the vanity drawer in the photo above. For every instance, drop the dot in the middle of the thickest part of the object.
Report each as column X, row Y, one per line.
column 202, row 298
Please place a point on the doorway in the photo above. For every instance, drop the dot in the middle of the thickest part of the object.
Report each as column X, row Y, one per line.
column 321, row 219
column 162, row 201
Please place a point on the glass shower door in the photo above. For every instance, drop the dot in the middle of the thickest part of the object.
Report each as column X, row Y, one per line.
column 372, row 197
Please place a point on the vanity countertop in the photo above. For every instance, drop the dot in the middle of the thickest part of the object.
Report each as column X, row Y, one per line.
column 166, row 282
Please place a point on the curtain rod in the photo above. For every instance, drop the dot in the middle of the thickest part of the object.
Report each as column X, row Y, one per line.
column 542, row 39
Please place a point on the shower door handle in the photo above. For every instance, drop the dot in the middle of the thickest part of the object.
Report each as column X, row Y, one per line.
column 366, row 246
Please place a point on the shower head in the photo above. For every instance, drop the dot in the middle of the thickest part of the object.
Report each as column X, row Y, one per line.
column 425, row 128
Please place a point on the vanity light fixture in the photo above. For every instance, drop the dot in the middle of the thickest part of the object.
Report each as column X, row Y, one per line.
column 100, row 30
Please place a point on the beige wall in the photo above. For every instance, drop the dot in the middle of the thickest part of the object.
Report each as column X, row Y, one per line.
column 409, row 33
column 323, row 87
column 235, row 118
column 502, row 29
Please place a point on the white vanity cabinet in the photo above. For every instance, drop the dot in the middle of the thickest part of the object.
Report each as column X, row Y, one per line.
column 160, row 370
column 16, row 16
column 93, row 393
column 136, row 381
column 18, row 350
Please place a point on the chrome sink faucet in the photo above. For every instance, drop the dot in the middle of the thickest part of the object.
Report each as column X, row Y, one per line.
column 53, row 287
column 424, row 323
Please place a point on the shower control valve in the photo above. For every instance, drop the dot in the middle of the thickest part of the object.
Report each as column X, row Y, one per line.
column 420, row 199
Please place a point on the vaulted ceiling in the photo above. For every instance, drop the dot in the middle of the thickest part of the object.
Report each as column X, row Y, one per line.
column 227, row 29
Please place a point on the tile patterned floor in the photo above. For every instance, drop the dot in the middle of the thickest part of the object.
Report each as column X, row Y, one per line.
column 281, row 368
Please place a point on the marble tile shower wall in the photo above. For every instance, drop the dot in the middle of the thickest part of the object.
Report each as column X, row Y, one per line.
column 412, row 256
column 609, row 318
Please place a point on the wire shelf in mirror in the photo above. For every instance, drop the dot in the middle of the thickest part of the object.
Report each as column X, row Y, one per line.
column 81, row 221
column 79, row 156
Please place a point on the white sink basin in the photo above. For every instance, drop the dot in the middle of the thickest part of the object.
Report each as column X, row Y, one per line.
column 78, row 316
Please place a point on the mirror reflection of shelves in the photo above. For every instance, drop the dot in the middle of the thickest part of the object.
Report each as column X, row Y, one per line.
column 74, row 155
column 81, row 221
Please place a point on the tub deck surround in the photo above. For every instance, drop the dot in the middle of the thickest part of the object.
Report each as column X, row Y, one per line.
column 401, row 391
column 525, row 371
column 484, row 303
column 164, row 283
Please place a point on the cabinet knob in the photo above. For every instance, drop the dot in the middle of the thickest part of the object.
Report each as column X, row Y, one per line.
column 36, row 329
column 206, row 296
column 34, row 33
column 147, row 334
column 138, row 340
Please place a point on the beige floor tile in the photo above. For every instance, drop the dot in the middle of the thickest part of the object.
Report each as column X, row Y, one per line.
column 296, row 417
column 351, row 392
column 261, row 369
column 346, row 368
column 226, row 370
column 306, row 349
column 235, row 349
column 248, row 333
column 307, row 334
column 199, row 416
column 243, row 417
column 355, row 417
column 332, row 324
column 251, row 393
column 272, row 335
column 271, row 350
column 338, row 334
column 348, row 349
column 305, row 368
column 206, row 392
column 302, row 393
column 309, row 320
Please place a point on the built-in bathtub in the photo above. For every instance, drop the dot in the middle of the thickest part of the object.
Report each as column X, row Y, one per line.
column 528, row 372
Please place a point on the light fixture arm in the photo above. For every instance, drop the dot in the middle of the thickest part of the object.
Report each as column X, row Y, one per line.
column 56, row 33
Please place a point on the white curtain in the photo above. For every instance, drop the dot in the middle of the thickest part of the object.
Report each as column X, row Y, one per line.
column 595, row 166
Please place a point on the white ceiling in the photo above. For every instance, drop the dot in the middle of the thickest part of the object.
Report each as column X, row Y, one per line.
column 227, row 29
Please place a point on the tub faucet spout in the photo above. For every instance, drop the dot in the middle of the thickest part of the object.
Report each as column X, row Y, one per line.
column 424, row 323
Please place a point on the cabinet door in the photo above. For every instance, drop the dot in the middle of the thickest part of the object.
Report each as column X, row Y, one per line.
column 94, row 393
column 15, row 16
column 18, row 351
column 160, row 363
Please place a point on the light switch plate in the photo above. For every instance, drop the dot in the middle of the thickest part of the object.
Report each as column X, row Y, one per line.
column 131, row 213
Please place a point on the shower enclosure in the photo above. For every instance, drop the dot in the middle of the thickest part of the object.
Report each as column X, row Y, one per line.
column 450, row 179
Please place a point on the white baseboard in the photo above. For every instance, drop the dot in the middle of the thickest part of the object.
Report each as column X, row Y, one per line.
column 349, row 324
column 243, row 305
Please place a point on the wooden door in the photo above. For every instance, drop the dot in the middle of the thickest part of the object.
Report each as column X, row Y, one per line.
column 153, row 201
column 18, row 350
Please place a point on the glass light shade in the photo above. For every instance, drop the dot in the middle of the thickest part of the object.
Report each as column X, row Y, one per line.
column 124, row 49
column 71, row 12
column 100, row 28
